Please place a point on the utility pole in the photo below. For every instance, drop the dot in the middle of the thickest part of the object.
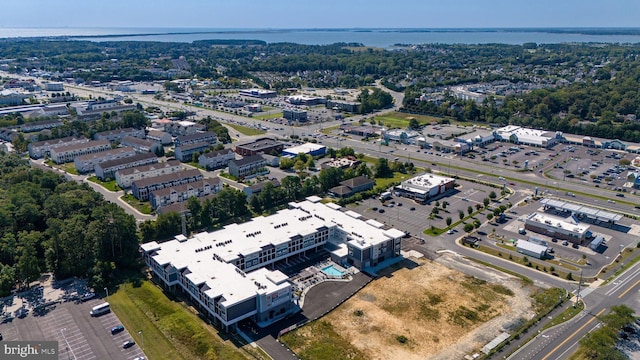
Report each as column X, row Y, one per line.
column 579, row 285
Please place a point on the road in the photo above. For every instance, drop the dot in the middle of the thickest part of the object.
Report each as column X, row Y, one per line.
column 561, row 341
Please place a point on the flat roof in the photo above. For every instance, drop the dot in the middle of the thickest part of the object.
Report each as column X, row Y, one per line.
column 304, row 148
column 557, row 222
column 580, row 209
column 423, row 183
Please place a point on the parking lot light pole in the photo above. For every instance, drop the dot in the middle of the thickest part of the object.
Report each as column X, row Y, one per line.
column 106, row 290
column 142, row 338
column 69, row 349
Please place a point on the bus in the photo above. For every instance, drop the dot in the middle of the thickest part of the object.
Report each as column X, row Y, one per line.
column 100, row 309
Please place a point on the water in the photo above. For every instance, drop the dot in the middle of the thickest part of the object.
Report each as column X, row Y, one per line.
column 332, row 271
column 383, row 38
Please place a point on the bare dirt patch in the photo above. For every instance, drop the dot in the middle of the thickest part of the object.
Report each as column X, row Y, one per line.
column 421, row 309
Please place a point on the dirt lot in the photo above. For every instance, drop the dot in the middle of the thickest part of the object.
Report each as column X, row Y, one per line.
column 420, row 309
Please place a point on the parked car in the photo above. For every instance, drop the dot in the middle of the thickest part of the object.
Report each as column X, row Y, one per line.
column 565, row 243
column 127, row 344
column 117, row 329
column 87, row 296
column 575, row 246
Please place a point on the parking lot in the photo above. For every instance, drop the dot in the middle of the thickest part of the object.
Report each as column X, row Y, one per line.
column 617, row 237
column 79, row 335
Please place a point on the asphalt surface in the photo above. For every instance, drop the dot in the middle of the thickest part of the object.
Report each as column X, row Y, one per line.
column 79, row 335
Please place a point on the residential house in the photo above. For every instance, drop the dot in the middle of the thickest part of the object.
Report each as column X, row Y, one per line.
column 66, row 153
column 106, row 170
column 216, row 159
column 185, row 153
column 141, row 145
column 208, row 137
column 125, row 177
column 41, row 149
column 141, row 189
column 182, row 193
column 248, row 166
column 86, row 163
column 162, row 137
column 119, row 134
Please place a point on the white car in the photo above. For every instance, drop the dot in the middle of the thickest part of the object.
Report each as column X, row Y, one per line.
column 450, row 232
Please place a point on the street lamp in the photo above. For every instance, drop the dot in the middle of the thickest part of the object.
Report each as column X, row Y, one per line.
column 107, row 292
column 142, row 338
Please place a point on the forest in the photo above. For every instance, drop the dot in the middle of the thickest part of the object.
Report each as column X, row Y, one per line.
column 49, row 224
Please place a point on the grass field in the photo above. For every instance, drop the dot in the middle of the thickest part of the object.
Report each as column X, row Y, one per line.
column 142, row 206
column 109, row 185
column 247, row 130
column 170, row 329
column 268, row 116
column 401, row 120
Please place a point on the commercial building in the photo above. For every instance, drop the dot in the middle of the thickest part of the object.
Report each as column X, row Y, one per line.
column 216, row 159
column 225, row 271
column 141, row 145
column 142, row 188
column 260, row 146
column 448, row 146
column 66, row 153
column 401, row 136
column 424, row 187
column 93, row 110
column 106, row 170
column 119, row 134
column 568, row 228
column 208, row 137
column 258, row 93
column 306, row 148
column 533, row 137
column 531, row 249
column 41, row 149
column 182, row 193
column 295, row 115
column 352, row 186
column 305, row 100
column 125, row 177
column 86, row 163
column 54, row 86
column 185, row 153
column 248, row 167
column 348, row 106
column 11, row 98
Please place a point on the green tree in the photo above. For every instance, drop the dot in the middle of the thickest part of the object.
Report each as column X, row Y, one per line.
column 461, row 214
column 449, row 221
column 468, row 228
column 492, row 195
column 469, row 210
column 486, row 201
column 382, row 169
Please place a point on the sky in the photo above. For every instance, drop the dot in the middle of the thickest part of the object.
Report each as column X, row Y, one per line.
column 261, row 14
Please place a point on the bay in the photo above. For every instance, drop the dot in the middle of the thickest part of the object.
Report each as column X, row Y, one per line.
column 383, row 38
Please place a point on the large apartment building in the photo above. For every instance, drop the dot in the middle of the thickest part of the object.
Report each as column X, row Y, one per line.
column 125, row 177
column 87, row 163
column 226, row 271
column 41, row 149
column 182, row 193
column 67, row 153
column 142, row 188
column 106, row 170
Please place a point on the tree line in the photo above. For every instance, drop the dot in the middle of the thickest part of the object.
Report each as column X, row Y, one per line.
column 49, row 224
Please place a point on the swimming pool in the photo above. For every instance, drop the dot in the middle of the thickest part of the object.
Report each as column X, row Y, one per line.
column 332, row 271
